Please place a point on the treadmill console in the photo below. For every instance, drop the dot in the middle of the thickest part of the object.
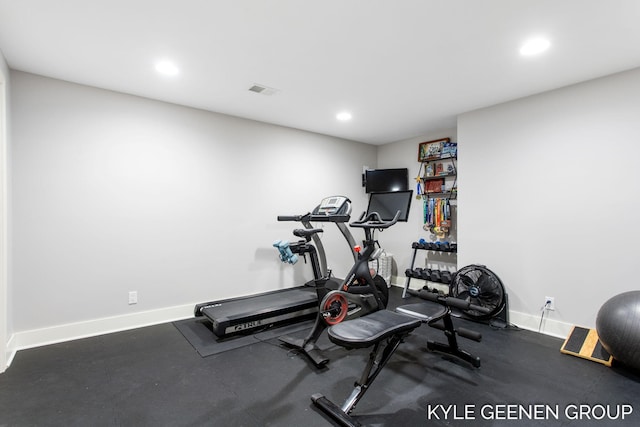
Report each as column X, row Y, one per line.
column 334, row 205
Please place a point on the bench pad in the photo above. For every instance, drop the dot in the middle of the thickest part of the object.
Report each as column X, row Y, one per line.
column 371, row 329
column 425, row 311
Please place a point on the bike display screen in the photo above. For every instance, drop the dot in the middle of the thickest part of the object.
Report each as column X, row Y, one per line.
column 388, row 203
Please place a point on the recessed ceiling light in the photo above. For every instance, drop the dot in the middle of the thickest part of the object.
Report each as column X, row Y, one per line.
column 167, row 68
column 344, row 116
column 534, row 46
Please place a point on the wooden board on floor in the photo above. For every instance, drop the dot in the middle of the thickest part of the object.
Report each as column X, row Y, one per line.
column 584, row 343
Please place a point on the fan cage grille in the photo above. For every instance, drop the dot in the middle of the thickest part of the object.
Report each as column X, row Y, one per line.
column 480, row 286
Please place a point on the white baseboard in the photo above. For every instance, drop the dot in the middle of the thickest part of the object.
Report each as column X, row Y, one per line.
column 531, row 322
column 10, row 354
column 73, row 331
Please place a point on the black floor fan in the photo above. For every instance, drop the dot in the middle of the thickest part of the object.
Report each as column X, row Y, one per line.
column 482, row 287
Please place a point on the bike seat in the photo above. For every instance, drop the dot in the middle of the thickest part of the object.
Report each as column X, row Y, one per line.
column 306, row 232
column 370, row 329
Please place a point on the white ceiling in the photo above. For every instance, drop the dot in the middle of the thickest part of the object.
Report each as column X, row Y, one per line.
column 402, row 67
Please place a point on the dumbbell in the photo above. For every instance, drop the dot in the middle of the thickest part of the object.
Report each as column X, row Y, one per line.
column 445, row 277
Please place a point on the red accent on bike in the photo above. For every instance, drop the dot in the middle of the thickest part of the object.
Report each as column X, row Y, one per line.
column 335, row 302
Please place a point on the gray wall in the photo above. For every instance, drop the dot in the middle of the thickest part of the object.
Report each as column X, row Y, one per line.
column 549, row 197
column 6, row 328
column 114, row 193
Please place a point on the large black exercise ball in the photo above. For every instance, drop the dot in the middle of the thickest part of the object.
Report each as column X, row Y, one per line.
column 618, row 326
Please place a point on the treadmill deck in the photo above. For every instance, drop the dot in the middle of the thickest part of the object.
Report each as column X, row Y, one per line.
column 244, row 314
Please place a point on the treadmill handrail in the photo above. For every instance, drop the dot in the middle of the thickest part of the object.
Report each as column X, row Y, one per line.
column 329, row 218
column 297, row 218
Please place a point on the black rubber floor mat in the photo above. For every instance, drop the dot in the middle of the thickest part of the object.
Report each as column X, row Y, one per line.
column 198, row 333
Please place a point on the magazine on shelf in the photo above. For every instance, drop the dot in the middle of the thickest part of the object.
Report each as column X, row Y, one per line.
column 449, row 149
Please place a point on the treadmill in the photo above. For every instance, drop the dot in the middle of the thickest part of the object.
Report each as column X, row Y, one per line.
column 242, row 315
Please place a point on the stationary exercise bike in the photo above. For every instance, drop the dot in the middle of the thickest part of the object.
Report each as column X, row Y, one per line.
column 363, row 291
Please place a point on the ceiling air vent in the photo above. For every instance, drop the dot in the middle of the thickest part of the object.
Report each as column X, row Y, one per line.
column 263, row 90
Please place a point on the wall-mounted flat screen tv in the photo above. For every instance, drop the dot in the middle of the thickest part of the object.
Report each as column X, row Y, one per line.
column 383, row 180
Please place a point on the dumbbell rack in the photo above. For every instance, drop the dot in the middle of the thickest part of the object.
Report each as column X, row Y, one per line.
column 431, row 275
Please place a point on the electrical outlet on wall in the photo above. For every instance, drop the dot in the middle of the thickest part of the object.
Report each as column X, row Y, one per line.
column 133, row 297
column 549, row 303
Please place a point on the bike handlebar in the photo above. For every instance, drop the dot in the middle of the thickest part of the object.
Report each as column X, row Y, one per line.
column 373, row 220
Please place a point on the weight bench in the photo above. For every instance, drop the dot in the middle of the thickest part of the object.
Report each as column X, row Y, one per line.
column 384, row 330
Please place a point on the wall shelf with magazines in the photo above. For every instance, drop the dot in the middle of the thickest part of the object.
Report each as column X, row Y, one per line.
column 438, row 169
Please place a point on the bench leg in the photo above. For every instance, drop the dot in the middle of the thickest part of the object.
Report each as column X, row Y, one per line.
column 330, row 408
column 452, row 346
column 378, row 358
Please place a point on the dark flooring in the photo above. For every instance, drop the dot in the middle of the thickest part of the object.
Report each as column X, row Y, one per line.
column 153, row 377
